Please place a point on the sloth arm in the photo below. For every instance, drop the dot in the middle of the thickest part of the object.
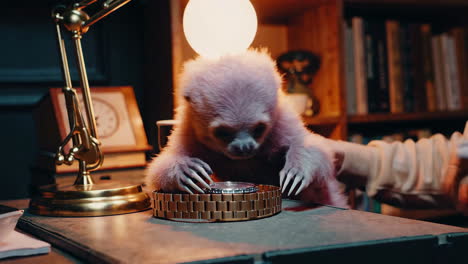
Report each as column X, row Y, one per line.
column 169, row 171
column 308, row 157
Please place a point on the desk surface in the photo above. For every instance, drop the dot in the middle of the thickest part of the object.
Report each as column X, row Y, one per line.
column 140, row 238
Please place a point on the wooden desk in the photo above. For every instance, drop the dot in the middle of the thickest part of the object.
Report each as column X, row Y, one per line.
column 297, row 234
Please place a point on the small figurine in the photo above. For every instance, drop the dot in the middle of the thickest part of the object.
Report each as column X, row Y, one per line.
column 299, row 68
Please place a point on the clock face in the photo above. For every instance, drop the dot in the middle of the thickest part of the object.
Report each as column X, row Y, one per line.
column 107, row 120
column 113, row 117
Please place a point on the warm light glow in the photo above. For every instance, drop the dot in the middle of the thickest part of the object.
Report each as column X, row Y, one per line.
column 217, row 27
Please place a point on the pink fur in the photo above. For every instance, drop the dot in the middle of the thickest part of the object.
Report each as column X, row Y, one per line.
column 238, row 91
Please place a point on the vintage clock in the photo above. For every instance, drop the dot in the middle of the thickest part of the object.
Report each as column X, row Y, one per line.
column 119, row 127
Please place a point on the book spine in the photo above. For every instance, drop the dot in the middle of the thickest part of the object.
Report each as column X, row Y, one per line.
column 351, row 105
column 394, row 66
column 419, row 91
column 428, row 68
column 360, row 65
column 382, row 68
column 407, row 67
column 461, row 50
column 455, row 88
column 370, row 29
column 438, row 73
column 447, row 71
column 464, row 70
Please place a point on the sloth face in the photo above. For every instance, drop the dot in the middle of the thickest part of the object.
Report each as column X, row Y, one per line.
column 232, row 101
column 240, row 143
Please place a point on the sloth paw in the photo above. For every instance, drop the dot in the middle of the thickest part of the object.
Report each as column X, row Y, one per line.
column 191, row 174
column 299, row 178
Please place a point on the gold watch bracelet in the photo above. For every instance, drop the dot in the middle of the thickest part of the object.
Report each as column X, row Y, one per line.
column 218, row 207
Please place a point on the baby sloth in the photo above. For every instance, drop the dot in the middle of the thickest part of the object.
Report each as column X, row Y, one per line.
column 235, row 125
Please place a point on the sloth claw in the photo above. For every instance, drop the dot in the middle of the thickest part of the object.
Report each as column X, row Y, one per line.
column 190, row 173
column 297, row 177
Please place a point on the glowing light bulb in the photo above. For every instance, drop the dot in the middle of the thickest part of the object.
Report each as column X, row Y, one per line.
column 217, row 27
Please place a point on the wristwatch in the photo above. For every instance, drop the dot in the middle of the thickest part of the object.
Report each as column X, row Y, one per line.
column 225, row 201
column 231, row 187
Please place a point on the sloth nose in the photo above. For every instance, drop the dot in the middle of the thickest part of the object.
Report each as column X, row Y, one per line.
column 243, row 149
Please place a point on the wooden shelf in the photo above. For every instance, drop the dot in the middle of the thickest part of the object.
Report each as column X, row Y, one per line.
column 392, row 118
column 280, row 11
column 405, row 3
column 321, row 120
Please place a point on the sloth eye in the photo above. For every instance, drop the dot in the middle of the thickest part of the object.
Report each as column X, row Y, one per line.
column 224, row 133
column 258, row 130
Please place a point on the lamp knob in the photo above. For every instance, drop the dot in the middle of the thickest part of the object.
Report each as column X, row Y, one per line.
column 59, row 159
column 74, row 19
column 70, row 158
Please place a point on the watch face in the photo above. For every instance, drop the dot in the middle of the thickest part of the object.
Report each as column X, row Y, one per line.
column 232, row 187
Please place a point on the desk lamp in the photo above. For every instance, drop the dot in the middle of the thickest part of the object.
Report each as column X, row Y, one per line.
column 84, row 197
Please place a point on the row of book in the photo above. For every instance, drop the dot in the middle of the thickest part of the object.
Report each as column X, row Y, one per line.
column 398, row 66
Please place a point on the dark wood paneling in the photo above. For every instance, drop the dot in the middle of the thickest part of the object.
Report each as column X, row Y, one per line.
column 29, row 65
column 158, row 100
column 28, row 49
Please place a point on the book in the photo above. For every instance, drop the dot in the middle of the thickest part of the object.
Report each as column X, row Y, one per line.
column 419, row 89
column 428, row 69
column 18, row 244
column 451, row 85
column 438, row 73
column 360, row 65
column 381, row 66
column 455, row 97
column 351, row 104
column 461, row 47
column 117, row 160
column 464, row 70
column 376, row 65
column 394, row 66
column 370, row 50
column 407, row 60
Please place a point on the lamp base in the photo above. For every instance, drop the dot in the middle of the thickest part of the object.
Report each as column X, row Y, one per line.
column 89, row 200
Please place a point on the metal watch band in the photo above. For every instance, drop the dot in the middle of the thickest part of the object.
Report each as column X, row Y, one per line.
column 218, row 207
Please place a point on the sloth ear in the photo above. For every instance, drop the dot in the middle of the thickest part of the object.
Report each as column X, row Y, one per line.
column 187, row 98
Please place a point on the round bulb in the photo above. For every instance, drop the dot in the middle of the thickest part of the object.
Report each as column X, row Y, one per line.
column 217, row 27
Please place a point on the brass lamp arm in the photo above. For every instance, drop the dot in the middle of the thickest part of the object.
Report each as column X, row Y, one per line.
column 84, row 4
column 109, row 7
column 86, row 146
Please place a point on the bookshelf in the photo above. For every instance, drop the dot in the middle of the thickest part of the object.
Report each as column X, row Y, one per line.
column 316, row 25
column 402, row 117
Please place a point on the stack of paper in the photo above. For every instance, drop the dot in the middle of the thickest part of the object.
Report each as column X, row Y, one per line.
column 19, row 244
